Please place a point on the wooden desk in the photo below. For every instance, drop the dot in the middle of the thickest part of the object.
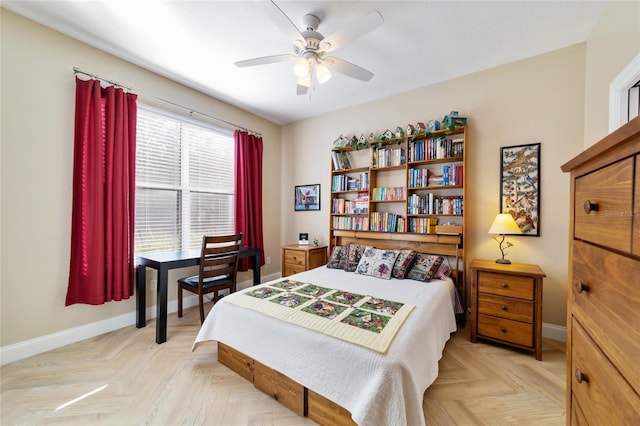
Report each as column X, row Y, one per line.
column 162, row 262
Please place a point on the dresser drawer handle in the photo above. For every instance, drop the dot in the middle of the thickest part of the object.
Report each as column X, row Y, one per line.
column 504, row 330
column 581, row 377
column 504, row 307
column 590, row 206
column 580, row 287
column 505, row 285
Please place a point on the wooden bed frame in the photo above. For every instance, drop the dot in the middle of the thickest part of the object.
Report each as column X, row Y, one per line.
column 305, row 402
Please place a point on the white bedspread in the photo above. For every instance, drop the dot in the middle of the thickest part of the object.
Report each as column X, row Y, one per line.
column 378, row 389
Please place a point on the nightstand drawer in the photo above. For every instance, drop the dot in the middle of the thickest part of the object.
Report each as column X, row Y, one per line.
column 290, row 269
column 505, row 307
column 509, row 331
column 505, row 285
column 295, row 257
column 608, row 224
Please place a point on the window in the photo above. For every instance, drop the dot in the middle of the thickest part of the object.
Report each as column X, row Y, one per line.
column 623, row 107
column 184, row 182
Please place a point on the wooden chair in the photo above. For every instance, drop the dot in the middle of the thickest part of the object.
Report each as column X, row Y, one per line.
column 218, row 269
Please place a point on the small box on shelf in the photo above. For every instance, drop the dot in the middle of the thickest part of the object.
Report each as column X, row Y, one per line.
column 449, row 229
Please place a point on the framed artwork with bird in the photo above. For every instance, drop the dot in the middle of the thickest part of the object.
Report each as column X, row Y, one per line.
column 520, row 186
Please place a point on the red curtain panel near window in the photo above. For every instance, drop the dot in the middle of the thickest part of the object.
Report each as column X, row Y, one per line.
column 101, row 263
column 248, row 192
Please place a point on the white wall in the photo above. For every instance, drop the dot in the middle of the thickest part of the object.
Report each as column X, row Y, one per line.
column 535, row 100
column 38, row 93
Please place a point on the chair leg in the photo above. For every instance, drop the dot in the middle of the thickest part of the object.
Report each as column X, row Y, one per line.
column 179, row 301
column 201, row 308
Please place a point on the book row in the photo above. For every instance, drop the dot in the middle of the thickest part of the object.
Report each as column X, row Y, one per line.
column 394, row 193
column 388, row 157
column 351, row 223
column 435, row 148
column 452, row 174
column 359, row 205
column 430, row 204
column 350, row 183
column 387, row 222
column 422, row 225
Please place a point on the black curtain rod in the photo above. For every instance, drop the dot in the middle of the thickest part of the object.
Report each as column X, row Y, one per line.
column 191, row 111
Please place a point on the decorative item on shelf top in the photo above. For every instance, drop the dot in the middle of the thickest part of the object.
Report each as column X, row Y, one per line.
column 433, row 125
column 410, row 130
column 503, row 225
column 399, row 132
column 362, row 142
column 354, row 142
column 453, row 120
column 421, row 129
column 341, row 142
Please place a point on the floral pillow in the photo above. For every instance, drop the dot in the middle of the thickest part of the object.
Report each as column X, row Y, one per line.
column 425, row 267
column 354, row 253
column 403, row 263
column 443, row 271
column 377, row 263
column 338, row 257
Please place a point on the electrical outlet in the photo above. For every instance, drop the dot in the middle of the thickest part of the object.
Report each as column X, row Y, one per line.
column 268, row 260
column 153, row 284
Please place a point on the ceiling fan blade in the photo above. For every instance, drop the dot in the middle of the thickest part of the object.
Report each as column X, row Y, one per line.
column 301, row 90
column 266, row 60
column 347, row 68
column 285, row 25
column 356, row 29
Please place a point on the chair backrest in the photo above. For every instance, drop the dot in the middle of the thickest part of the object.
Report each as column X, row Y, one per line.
column 219, row 256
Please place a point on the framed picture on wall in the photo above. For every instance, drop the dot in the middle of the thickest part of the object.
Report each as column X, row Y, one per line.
column 520, row 186
column 307, row 197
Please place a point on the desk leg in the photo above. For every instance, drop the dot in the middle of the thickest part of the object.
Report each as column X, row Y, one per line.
column 256, row 268
column 141, row 296
column 161, row 306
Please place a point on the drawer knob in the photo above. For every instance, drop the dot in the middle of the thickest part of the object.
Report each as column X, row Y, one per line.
column 581, row 377
column 590, row 206
column 505, row 285
column 504, row 330
column 580, row 287
column 503, row 307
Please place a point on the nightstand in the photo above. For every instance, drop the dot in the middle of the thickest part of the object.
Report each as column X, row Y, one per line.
column 298, row 258
column 506, row 304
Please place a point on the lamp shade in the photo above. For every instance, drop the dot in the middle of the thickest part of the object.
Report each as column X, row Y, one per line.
column 504, row 224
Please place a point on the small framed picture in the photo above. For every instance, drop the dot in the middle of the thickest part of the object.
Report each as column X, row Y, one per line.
column 303, row 239
column 307, row 197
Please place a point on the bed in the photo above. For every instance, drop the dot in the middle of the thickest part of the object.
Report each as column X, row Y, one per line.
column 332, row 380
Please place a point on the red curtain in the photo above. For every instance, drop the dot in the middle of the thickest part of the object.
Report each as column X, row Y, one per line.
column 248, row 192
column 102, row 218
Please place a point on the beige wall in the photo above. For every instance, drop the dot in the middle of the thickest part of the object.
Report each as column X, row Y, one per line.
column 611, row 46
column 534, row 100
column 37, row 153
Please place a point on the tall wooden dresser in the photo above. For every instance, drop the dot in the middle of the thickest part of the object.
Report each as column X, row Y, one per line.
column 603, row 304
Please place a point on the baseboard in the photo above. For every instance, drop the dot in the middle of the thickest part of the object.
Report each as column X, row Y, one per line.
column 554, row 332
column 27, row 348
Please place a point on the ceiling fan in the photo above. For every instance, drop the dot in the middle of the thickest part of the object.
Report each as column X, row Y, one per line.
column 310, row 48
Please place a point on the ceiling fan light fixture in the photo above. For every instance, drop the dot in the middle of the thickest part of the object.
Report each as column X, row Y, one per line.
column 301, row 68
column 322, row 73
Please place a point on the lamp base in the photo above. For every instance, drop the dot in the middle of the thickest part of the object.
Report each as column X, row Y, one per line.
column 503, row 261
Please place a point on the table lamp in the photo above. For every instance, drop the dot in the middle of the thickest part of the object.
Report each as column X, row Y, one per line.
column 504, row 224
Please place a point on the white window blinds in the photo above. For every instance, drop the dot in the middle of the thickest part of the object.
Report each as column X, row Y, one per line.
column 184, row 182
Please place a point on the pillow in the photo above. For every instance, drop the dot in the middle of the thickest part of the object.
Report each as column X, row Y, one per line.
column 425, row 267
column 403, row 263
column 377, row 263
column 354, row 253
column 338, row 257
column 443, row 271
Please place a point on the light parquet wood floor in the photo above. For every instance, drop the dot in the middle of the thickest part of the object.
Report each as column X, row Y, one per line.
column 149, row 384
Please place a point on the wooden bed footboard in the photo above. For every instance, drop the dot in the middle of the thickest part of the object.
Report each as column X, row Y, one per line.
column 302, row 401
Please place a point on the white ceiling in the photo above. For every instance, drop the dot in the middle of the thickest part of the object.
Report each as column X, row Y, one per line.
column 420, row 43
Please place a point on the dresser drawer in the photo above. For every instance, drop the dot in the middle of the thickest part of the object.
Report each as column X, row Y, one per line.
column 317, row 257
column 636, row 212
column 603, row 395
column 509, row 331
column 607, row 304
column 505, row 307
column 608, row 224
column 295, row 257
column 505, row 285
